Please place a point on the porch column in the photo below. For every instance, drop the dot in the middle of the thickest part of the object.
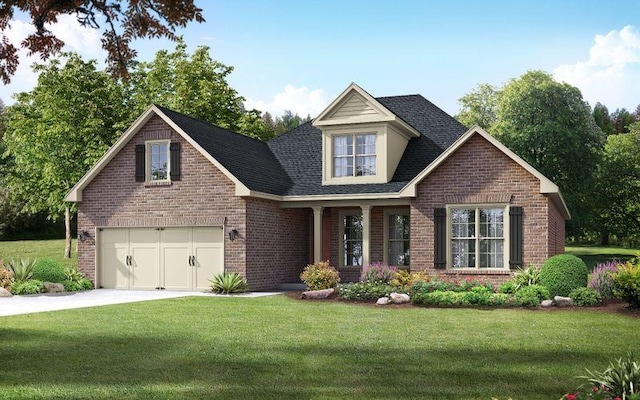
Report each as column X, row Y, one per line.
column 366, row 234
column 317, row 234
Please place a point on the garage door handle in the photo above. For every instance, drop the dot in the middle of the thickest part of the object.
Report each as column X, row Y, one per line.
column 192, row 262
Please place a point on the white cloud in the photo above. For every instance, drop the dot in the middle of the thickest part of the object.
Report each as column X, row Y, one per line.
column 611, row 75
column 301, row 101
column 82, row 40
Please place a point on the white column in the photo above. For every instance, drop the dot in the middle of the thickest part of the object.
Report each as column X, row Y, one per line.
column 317, row 234
column 366, row 234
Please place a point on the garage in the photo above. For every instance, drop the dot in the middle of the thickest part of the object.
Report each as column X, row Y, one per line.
column 176, row 258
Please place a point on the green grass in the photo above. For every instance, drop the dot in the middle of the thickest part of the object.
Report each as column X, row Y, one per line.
column 35, row 249
column 592, row 255
column 280, row 348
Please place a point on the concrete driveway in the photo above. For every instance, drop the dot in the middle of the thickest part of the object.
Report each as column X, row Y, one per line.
column 17, row 305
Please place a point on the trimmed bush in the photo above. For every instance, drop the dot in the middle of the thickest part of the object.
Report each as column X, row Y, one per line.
column 32, row 286
column 49, row 270
column 627, row 282
column 320, row 276
column 585, row 297
column 563, row 273
column 365, row 290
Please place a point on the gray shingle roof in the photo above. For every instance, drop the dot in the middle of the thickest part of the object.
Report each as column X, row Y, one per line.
column 291, row 164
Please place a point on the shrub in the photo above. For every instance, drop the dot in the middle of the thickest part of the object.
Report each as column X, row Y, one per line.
column 508, row 287
column 621, row 379
column 541, row 292
column 72, row 273
column 22, row 269
column 378, row 273
column 405, row 278
column 320, row 276
column 563, row 273
column 627, row 282
column 229, row 282
column 49, row 270
column 527, row 297
column 526, row 277
column 479, row 296
column 365, row 290
column 444, row 285
column 6, row 277
column 602, row 279
column 585, row 297
column 32, row 286
column 77, row 285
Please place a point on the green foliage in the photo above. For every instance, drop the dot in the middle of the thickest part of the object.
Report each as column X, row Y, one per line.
column 6, row 276
column 77, row 285
column 477, row 297
column 526, row 277
column 562, row 273
column 22, row 269
column 585, row 297
column 627, row 282
column 365, row 290
column 72, row 273
column 49, row 270
column 621, row 378
column 508, row 287
column 440, row 284
column 31, row 286
column 195, row 85
column 320, row 276
column 229, row 282
column 479, row 107
column 538, row 291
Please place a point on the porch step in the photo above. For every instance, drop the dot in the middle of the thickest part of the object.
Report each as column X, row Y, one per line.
column 289, row 287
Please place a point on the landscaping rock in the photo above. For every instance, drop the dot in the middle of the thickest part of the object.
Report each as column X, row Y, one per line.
column 317, row 294
column 50, row 287
column 383, row 301
column 5, row 293
column 400, row 298
column 546, row 303
column 562, row 301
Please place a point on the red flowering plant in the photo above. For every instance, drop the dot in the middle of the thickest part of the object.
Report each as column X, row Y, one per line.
column 621, row 381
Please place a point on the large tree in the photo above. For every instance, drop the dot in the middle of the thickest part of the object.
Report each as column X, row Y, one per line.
column 548, row 124
column 121, row 22
column 603, row 119
column 479, row 107
column 56, row 132
column 195, row 85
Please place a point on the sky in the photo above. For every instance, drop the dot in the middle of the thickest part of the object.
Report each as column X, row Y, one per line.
column 300, row 55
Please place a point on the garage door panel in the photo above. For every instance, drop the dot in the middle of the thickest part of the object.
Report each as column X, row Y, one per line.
column 176, row 250
column 144, row 268
column 208, row 264
column 113, row 272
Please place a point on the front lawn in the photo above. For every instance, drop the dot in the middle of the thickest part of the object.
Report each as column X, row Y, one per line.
column 33, row 249
column 277, row 347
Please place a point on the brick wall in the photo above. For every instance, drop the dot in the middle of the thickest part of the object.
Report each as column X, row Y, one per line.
column 477, row 173
column 204, row 196
column 277, row 243
column 556, row 230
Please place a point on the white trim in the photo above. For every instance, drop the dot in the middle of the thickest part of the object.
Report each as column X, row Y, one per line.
column 75, row 194
column 147, row 160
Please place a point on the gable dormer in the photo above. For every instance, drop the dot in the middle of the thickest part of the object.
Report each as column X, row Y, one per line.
column 362, row 141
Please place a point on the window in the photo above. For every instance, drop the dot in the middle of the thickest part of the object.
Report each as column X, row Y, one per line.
column 158, row 161
column 352, row 240
column 362, row 155
column 477, row 237
column 398, row 229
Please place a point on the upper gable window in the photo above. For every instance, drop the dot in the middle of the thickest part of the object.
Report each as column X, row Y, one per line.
column 354, row 155
column 158, row 161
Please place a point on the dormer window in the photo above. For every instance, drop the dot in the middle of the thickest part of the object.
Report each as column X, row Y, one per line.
column 362, row 155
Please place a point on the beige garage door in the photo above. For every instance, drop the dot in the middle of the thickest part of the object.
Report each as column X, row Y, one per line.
column 154, row 258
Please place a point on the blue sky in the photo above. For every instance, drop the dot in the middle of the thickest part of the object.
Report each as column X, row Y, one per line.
column 299, row 55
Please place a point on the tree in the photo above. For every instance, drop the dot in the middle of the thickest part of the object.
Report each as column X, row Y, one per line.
column 124, row 21
column 479, row 107
column 603, row 119
column 194, row 85
column 283, row 124
column 621, row 119
column 56, row 132
column 549, row 125
column 619, row 186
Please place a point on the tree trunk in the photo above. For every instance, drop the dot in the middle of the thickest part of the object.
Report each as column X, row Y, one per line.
column 605, row 239
column 67, row 227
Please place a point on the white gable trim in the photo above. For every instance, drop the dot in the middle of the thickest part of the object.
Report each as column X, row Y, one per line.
column 546, row 186
column 383, row 114
column 75, row 194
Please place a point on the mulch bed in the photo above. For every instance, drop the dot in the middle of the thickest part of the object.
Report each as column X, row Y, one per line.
column 609, row 306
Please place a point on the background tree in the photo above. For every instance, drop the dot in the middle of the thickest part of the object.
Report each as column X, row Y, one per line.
column 548, row 124
column 124, row 22
column 479, row 107
column 621, row 119
column 603, row 119
column 194, row 85
column 56, row 132
column 285, row 123
column 618, row 194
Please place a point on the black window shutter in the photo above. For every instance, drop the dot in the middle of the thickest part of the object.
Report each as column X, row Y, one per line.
column 140, row 163
column 174, row 151
column 515, row 237
column 440, row 237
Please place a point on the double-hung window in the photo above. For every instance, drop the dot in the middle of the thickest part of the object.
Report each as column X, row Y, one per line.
column 158, row 161
column 352, row 240
column 398, row 229
column 354, row 155
column 477, row 237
